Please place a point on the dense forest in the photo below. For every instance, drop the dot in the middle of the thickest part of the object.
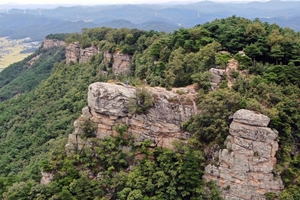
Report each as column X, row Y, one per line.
column 35, row 125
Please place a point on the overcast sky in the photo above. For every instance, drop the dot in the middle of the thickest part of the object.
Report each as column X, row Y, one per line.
column 97, row 2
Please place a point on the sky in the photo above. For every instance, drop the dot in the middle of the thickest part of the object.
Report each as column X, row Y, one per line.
column 97, row 2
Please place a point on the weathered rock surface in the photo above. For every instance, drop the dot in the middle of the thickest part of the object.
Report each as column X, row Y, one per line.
column 120, row 62
column 244, row 169
column 73, row 53
column 217, row 76
column 49, row 43
column 32, row 60
column 87, row 53
column 78, row 55
column 46, row 177
column 108, row 107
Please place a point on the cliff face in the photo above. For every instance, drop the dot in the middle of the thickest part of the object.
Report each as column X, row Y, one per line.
column 49, row 43
column 78, row 55
column 120, row 62
column 244, row 169
column 108, row 107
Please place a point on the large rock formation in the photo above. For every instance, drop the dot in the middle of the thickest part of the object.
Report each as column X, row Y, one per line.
column 108, row 107
column 120, row 62
column 49, row 43
column 245, row 169
column 79, row 55
column 72, row 52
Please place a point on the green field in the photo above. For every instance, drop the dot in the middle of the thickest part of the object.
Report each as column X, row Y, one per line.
column 14, row 56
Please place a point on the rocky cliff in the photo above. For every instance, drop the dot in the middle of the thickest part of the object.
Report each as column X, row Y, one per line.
column 244, row 170
column 120, row 62
column 108, row 107
column 49, row 43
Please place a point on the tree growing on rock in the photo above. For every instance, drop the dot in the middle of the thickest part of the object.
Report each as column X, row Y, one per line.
column 142, row 101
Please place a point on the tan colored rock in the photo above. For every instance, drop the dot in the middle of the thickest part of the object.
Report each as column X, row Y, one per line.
column 108, row 107
column 73, row 53
column 87, row 53
column 250, row 117
column 46, row 178
column 217, row 77
column 32, row 60
column 245, row 167
column 49, row 43
column 122, row 63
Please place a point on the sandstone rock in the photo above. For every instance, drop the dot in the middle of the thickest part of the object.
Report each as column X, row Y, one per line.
column 217, row 76
column 32, row 60
column 72, row 53
column 248, row 162
column 108, row 107
column 87, row 53
column 250, row 117
column 49, row 43
column 121, row 63
column 46, row 177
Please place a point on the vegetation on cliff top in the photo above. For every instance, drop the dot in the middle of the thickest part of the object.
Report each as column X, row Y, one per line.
column 35, row 125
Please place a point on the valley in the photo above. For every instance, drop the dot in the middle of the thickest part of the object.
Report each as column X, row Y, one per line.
column 12, row 51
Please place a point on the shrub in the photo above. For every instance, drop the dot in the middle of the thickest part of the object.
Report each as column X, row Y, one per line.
column 89, row 128
column 142, row 101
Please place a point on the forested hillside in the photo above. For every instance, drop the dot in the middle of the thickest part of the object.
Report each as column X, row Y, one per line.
column 35, row 125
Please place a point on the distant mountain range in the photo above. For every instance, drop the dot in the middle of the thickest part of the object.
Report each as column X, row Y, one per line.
column 38, row 22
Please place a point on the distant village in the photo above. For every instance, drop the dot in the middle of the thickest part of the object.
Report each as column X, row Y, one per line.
column 7, row 46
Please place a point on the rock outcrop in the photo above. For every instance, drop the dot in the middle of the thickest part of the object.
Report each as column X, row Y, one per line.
column 244, row 169
column 79, row 55
column 120, row 63
column 217, row 77
column 49, row 43
column 87, row 53
column 108, row 107
column 47, row 177
column 32, row 60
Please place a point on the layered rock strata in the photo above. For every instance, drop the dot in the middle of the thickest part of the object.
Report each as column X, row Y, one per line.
column 108, row 107
column 244, row 169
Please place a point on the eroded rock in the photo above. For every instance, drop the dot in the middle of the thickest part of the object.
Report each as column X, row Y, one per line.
column 217, row 77
column 49, row 43
column 108, row 107
column 244, row 169
column 119, row 62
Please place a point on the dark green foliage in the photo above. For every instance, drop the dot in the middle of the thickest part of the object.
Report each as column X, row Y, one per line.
column 142, row 101
column 34, row 126
column 212, row 125
column 58, row 36
column 20, row 77
column 89, row 128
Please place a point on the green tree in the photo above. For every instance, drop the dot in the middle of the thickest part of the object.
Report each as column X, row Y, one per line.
column 252, row 51
column 276, row 53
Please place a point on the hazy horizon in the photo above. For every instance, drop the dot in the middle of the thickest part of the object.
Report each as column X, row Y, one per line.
column 96, row 2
